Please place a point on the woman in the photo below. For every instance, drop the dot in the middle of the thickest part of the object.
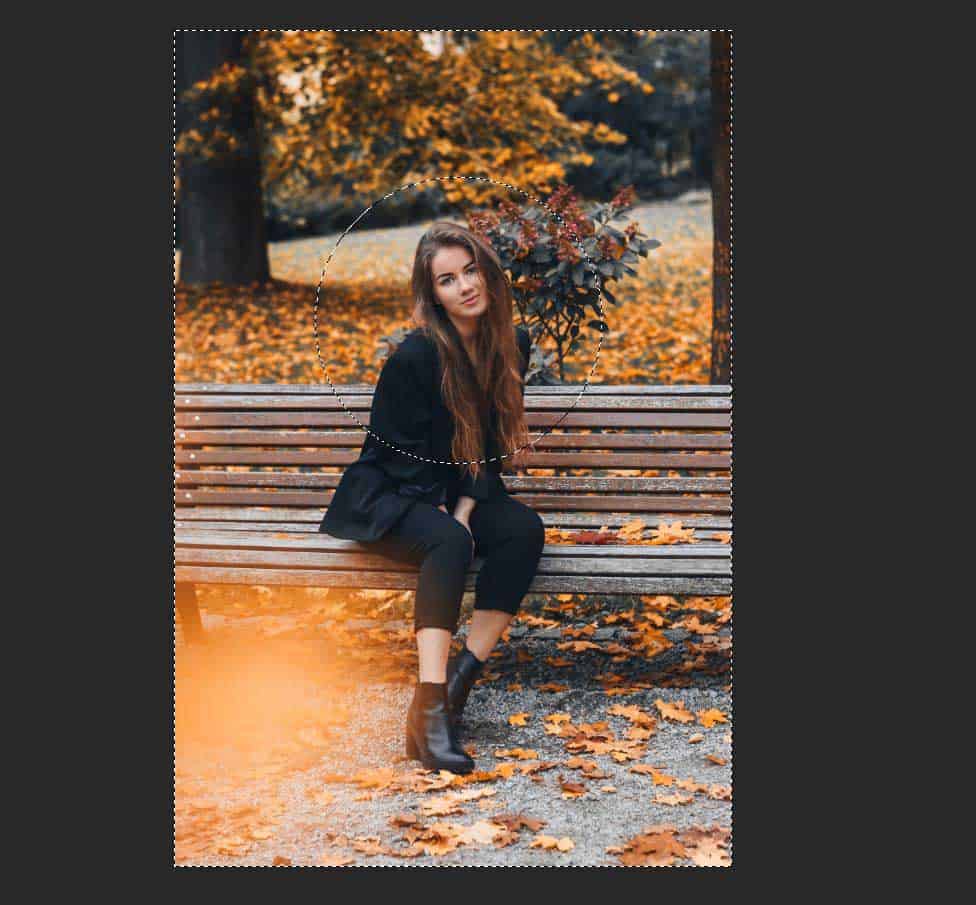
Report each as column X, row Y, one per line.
column 452, row 392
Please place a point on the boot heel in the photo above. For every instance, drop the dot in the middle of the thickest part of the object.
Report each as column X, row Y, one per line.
column 413, row 752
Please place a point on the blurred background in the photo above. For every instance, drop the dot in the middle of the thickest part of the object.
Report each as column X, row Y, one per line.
column 285, row 138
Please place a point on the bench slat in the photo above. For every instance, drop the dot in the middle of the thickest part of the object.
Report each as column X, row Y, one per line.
column 272, row 438
column 548, row 565
column 560, row 519
column 270, row 540
column 534, row 419
column 570, row 484
column 339, row 458
column 303, row 389
column 596, row 502
column 541, row 584
column 303, row 529
column 585, row 403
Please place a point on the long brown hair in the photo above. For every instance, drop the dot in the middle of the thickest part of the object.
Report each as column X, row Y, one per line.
column 468, row 391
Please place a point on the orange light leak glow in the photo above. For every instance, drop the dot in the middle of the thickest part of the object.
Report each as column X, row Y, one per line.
column 267, row 696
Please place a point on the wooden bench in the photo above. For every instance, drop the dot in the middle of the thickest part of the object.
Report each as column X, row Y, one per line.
column 251, row 485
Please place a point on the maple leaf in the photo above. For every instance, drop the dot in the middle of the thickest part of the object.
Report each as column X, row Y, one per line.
column 675, row 533
column 632, row 529
column 593, row 537
column 710, row 717
column 690, row 785
column 404, row 820
column 564, row 844
column 481, row 833
column 673, row 799
column 559, row 662
column 675, row 711
column 571, row 789
column 707, row 847
column 639, row 733
column 369, row 845
column 332, row 860
column 577, row 632
column 694, row 739
column 634, row 714
column 715, row 759
column 518, row 719
column 518, row 821
column 659, row 778
column 655, row 847
column 577, row 647
column 552, row 686
column 520, row 753
column 379, row 778
column 557, row 718
column 695, row 625
column 441, row 807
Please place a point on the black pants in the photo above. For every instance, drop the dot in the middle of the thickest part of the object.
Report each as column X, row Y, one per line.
column 509, row 536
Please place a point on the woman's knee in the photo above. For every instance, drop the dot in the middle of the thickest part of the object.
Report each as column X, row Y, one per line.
column 529, row 531
column 454, row 540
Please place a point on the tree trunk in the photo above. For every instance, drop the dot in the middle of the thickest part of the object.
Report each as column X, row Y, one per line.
column 721, row 45
column 221, row 213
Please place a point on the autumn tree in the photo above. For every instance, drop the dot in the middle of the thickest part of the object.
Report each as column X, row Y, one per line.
column 721, row 49
column 357, row 113
column 221, row 214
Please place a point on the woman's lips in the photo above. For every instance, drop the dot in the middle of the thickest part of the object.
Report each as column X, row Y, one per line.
column 470, row 301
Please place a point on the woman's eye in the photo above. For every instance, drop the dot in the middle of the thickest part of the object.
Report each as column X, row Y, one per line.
column 447, row 280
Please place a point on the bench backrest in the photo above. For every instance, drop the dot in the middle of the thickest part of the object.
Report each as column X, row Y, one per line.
column 267, row 456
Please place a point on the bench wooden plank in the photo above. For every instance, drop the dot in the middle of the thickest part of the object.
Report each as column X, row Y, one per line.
column 541, row 584
column 305, row 529
column 564, row 418
column 548, row 565
column 338, row 458
column 560, row 403
column 570, row 484
column 270, row 540
column 614, row 440
column 305, row 389
column 559, row 519
column 596, row 502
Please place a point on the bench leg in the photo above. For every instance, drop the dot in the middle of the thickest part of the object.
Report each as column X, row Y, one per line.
column 186, row 603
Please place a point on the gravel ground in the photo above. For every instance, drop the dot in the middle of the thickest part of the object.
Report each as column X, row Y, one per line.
column 300, row 830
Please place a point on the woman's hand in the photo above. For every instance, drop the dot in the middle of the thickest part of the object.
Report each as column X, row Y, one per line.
column 463, row 521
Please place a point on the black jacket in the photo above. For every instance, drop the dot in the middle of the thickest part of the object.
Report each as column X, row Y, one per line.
column 409, row 413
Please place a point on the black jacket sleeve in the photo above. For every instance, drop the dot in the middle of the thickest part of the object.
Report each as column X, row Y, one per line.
column 401, row 415
column 489, row 484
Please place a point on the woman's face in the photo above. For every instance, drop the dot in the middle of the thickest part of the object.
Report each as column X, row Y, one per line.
column 458, row 284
